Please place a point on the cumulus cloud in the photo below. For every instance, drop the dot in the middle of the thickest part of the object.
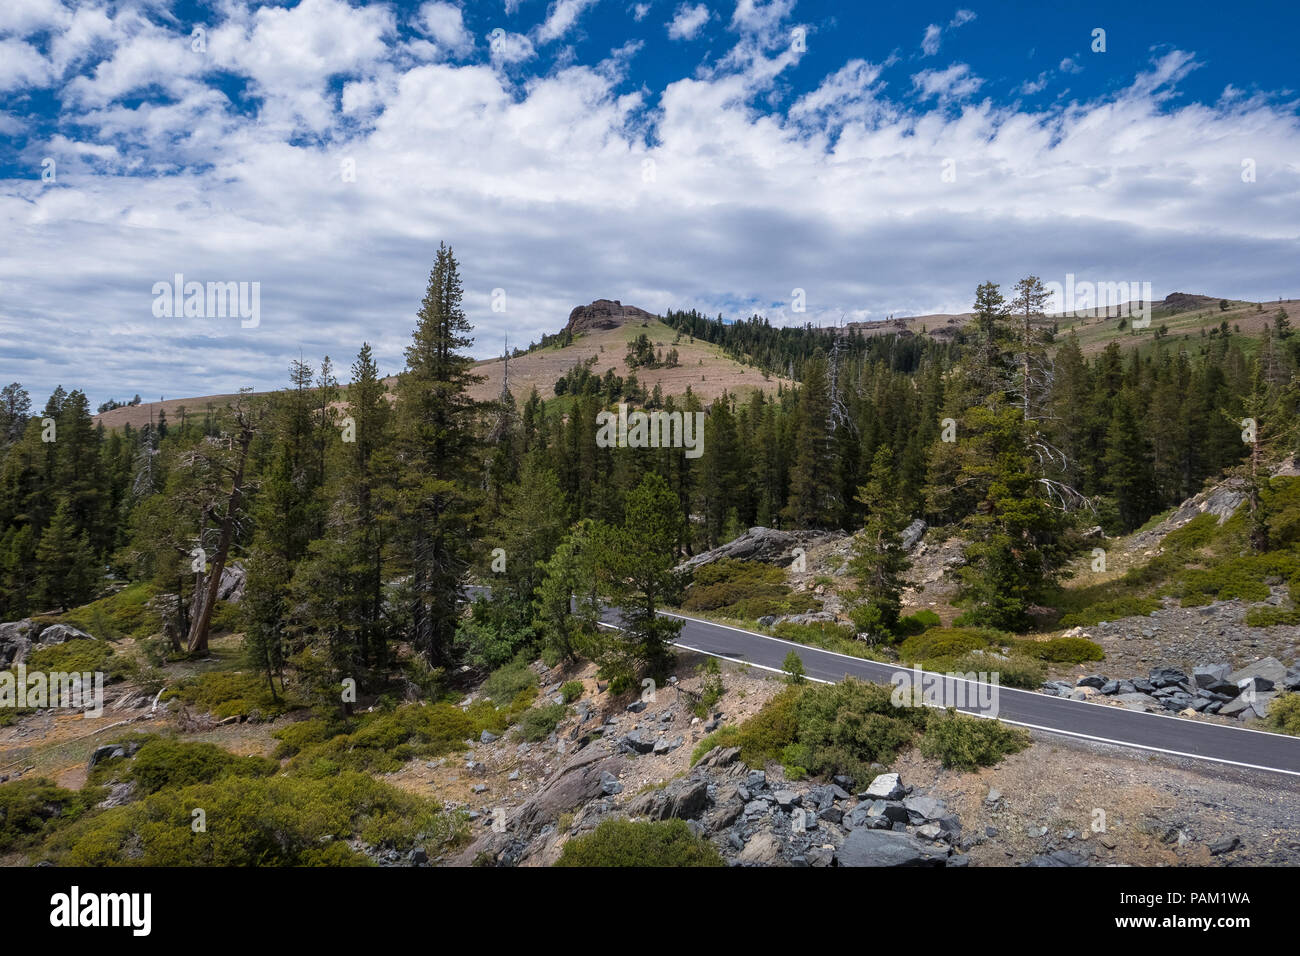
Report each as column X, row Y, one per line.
column 688, row 21
column 332, row 180
column 445, row 23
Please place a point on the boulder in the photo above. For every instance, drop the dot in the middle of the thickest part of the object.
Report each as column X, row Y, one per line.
column 15, row 641
column 60, row 634
column 637, row 742
column 577, row 782
column 232, row 584
column 866, row 847
column 1093, row 680
column 763, row 849
column 1269, row 669
column 912, row 534
column 1138, row 701
column 885, row 787
column 1167, row 677
column 767, row 545
column 924, row 809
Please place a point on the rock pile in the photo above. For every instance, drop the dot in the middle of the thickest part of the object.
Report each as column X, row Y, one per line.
column 1211, row 689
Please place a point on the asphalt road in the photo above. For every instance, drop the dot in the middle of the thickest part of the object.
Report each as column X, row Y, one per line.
column 1178, row 736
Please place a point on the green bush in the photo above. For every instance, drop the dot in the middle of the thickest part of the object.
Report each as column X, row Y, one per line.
column 762, row 737
column 257, row 821
column 1062, row 650
column 124, row 614
column 302, row 734
column 916, row 623
column 1272, row 616
column 168, row 764
column 383, row 741
column 793, row 667
column 643, row 843
column 745, row 589
column 571, row 690
column 1284, row 714
column 1013, row 670
column 1110, row 610
column 711, row 687
column 963, row 742
column 846, row 727
column 941, row 642
column 538, row 722
column 509, row 681
column 230, row 694
column 77, row 656
column 31, row 808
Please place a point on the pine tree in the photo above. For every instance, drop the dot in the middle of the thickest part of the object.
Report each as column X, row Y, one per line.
column 438, row 461
column 879, row 561
column 636, row 564
column 67, row 572
column 815, row 500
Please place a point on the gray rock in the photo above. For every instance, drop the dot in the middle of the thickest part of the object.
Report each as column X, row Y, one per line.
column 924, row 809
column 487, row 737
column 61, row 633
column 1226, row 845
column 637, row 742
column 1269, row 669
column 912, row 534
column 106, row 752
column 786, row 799
column 887, row 786
column 865, row 847
column 1092, row 680
column 1167, row 677
column 663, row 745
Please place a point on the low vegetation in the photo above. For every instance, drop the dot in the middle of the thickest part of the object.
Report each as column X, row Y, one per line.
column 644, row 843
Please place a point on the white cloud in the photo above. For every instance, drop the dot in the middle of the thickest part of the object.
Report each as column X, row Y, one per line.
column 561, row 18
column 955, row 82
column 639, row 11
column 445, row 23
column 930, row 41
column 1068, row 65
column 507, row 48
column 1030, row 87
column 22, row 66
column 688, row 21
column 961, row 18
column 535, row 183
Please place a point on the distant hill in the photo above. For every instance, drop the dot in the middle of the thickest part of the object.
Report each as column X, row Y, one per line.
column 601, row 330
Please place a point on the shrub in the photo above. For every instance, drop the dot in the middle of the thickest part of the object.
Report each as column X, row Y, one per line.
column 302, row 734
column 711, row 688
column 642, row 843
column 230, row 694
column 538, row 722
column 963, row 742
column 571, row 690
column 1062, row 650
column 33, row 807
column 124, row 614
column 1013, row 670
column 509, row 681
column 762, row 737
column 264, row 821
column 1284, row 714
column 167, row 764
column 793, row 667
column 745, row 589
column 385, row 740
column 846, row 727
column 920, row 621
column 73, row 656
column 941, row 642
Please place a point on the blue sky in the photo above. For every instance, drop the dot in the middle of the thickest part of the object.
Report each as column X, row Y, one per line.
column 883, row 158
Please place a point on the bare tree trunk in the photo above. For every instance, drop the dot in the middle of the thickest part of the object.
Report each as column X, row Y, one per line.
column 198, row 637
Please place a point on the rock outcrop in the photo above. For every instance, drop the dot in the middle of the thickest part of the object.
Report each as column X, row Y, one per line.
column 605, row 314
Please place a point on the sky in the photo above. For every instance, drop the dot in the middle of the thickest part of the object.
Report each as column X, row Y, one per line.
column 809, row 161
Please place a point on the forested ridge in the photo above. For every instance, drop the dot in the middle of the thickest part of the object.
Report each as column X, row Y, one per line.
column 359, row 520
